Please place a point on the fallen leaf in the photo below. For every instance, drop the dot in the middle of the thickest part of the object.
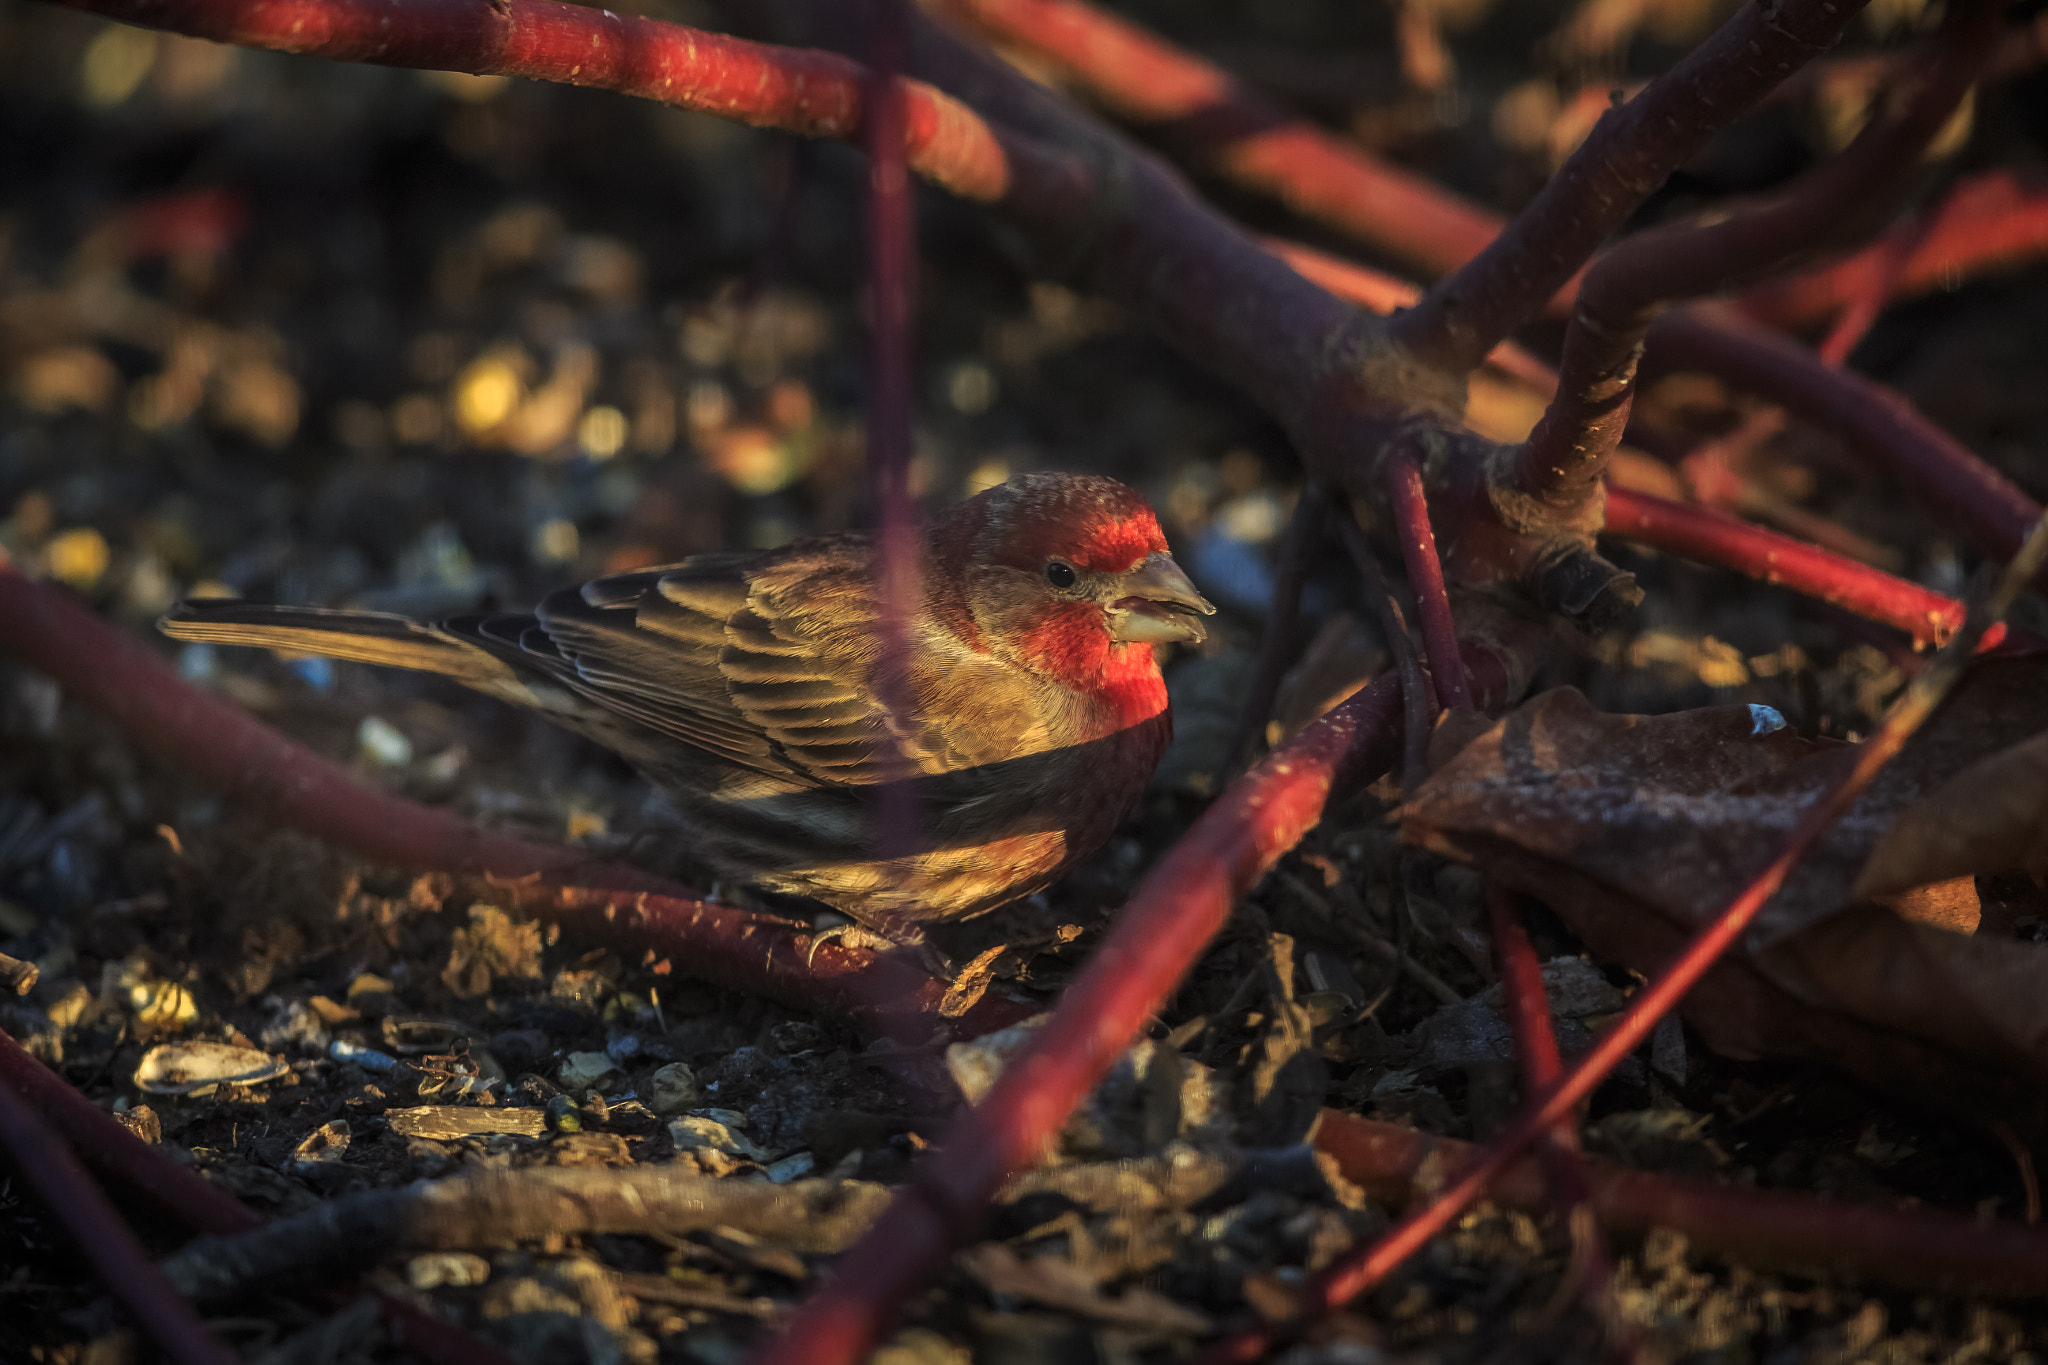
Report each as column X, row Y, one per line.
column 1636, row 829
column 1711, row 791
column 1990, row 817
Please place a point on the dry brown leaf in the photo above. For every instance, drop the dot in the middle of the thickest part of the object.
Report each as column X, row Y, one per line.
column 1990, row 817
column 1635, row 829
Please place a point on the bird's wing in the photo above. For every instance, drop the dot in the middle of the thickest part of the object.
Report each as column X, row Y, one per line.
column 764, row 660
column 619, row 643
column 801, row 659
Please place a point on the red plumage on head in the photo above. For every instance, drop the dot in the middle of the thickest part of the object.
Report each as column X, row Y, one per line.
column 1092, row 522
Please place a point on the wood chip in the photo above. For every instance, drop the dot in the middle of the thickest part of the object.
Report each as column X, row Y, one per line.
column 444, row 1122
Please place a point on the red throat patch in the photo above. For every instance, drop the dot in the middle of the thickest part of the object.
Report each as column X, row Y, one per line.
column 1067, row 643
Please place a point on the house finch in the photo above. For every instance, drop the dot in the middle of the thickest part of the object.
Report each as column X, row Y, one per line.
column 745, row 686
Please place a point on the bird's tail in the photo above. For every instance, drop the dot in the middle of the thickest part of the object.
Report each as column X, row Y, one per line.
column 360, row 636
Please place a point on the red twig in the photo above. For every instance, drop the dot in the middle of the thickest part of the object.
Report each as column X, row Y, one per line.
column 1410, row 508
column 1361, row 1270
column 202, row 735
column 49, row 1168
column 114, row 1151
column 1710, row 537
column 1528, row 1010
column 1985, row 222
column 1419, row 706
column 1867, row 415
column 816, row 94
column 119, row 1153
column 1160, row 934
column 892, row 273
column 1629, row 153
column 1149, row 81
column 1565, row 456
column 1769, row 1230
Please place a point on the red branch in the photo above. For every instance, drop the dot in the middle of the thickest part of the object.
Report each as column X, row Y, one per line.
column 199, row 734
column 1986, row 222
column 1865, row 414
column 1147, row 80
column 1710, row 537
column 1628, row 154
column 1712, row 340
column 47, row 1166
column 1794, row 1233
column 813, row 94
column 1565, row 456
column 114, row 1151
column 1528, row 1011
column 1410, row 510
column 1160, row 934
column 1705, row 536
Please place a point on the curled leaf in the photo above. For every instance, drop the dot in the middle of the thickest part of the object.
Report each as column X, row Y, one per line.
column 1990, row 817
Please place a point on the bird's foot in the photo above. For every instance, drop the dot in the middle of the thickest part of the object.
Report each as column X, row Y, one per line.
column 849, row 935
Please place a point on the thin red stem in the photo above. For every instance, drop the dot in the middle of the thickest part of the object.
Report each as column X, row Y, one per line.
column 892, row 273
column 1764, row 1229
column 1147, row 80
column 1992, row 509
column 47, row 1166
column 1990, row 221
column 1160, row 934
column 1706, row 536
column 1564, row 1164
column 1410, row 508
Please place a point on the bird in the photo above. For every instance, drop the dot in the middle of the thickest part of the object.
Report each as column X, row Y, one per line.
column 748, row 686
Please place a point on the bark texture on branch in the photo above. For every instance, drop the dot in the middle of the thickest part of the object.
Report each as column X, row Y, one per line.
column 812, row 94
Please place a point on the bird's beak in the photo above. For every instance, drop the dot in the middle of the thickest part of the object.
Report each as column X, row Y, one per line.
column 1157, row 603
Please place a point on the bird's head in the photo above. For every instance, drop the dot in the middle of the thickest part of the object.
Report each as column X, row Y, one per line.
column 1067, row 575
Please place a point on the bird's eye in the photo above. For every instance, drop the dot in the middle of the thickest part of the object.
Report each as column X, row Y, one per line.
column 1060, row 574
